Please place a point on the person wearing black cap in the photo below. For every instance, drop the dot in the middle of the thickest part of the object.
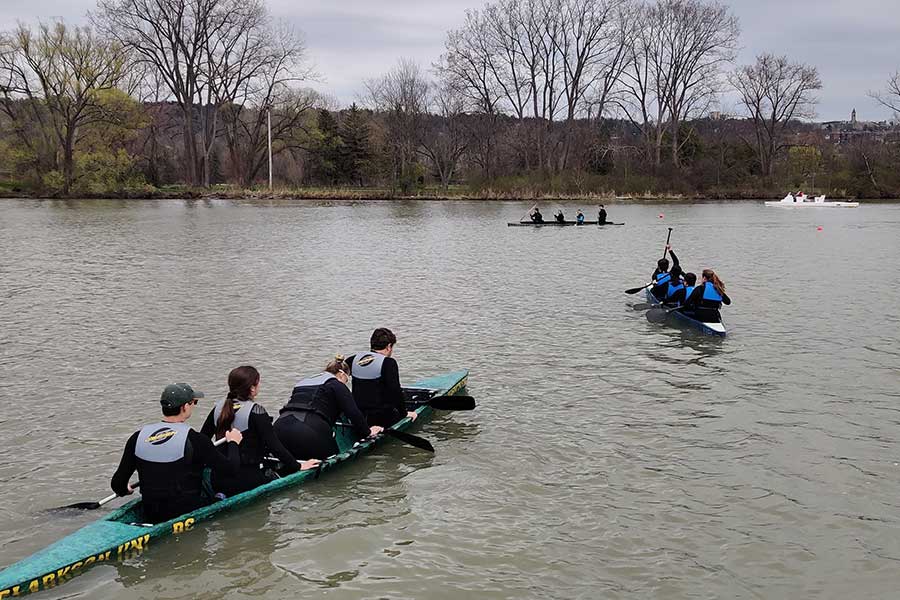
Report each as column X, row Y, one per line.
column 170, row 457
column 376, row 381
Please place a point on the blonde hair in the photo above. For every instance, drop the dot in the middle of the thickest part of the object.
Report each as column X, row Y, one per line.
column 337, row 364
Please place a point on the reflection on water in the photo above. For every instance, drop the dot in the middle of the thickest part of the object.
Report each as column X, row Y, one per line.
column 608, row 456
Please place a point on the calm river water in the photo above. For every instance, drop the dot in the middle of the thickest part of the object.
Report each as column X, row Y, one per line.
column 608, row 457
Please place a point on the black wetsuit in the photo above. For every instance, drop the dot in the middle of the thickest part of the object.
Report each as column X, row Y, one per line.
column 381, row 399
column 259, row 440
column 601, row 216
column 560, row 218
column 704, row 310
column 660, row 290
column 305, row 422
column 174, row 488
column 537, row 217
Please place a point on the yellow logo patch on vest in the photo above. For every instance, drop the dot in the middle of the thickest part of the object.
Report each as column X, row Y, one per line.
column 160, row 436
column 366, row 360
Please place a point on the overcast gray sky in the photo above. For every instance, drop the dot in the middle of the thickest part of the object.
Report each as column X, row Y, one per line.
column 854, row 43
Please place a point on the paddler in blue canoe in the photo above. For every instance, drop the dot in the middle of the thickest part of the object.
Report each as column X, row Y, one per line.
column 661, row 275
column 170, row 458
column 707, row 298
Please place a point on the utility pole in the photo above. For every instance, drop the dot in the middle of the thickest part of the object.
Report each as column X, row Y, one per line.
column 269, row 117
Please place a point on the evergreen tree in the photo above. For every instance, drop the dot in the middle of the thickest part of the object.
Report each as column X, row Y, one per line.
column 326, row 149
column 355, row 153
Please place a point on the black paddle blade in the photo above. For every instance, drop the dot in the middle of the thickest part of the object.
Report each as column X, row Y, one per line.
column 76, row 506
column 657, row 315
column 642, row 306
column 452, row 403
column 412, row 440
column 635, row 290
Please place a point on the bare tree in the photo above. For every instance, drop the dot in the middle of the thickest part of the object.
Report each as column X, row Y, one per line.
column 775, row 91
column 591, row 47
column 677, row 52
column 67, row 70
column 445, row 139
column 890, row 96
column 171, row 36
column 402, row 95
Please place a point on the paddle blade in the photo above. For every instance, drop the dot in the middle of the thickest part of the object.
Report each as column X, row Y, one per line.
column 76, row 506
column 642, row 306
column 452, row 403
column 412, row 440
column 657, row 315
column 635, row 290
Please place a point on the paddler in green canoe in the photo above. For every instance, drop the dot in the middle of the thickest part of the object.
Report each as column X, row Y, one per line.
column 376, row 381
column 170, row 457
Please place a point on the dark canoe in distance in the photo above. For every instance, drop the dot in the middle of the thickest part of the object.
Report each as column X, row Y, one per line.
column 122, row 533
column 558, row 224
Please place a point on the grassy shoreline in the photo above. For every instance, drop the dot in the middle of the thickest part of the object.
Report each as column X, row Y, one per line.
column 367, row 194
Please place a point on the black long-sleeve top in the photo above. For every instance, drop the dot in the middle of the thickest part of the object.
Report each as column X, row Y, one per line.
column 331, row 399
column 381, row 393
column 199, row 453
column 696, row 299
column 259, row 440
column 675, row 263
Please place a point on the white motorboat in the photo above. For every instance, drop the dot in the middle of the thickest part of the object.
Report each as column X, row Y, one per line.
column 801, row 200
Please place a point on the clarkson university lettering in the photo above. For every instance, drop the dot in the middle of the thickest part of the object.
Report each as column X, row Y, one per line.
column 50, row 580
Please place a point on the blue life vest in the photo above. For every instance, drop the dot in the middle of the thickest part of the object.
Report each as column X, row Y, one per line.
column 580, row 218
column 674, row 287
column 710, row 293
column 688, row 290
column 662, row 278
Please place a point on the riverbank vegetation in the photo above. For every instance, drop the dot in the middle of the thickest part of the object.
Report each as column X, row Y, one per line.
column 534, row 99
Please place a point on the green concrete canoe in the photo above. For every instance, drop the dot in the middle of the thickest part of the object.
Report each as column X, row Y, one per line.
column 122, row 534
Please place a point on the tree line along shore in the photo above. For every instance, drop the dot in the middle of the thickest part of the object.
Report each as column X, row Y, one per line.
column 589, row 100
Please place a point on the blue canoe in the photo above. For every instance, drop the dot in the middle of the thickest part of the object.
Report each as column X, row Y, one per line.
column 716, row 329
column 122, row 534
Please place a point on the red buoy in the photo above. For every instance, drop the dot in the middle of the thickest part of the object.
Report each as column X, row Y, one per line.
column 660, row 215
column 819, row 228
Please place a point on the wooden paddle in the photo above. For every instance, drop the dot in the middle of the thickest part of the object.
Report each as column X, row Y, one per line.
column 665, row 249
column 110, row 498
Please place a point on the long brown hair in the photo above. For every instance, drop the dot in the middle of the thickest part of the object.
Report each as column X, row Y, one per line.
column 240, row 380
column 711, row 276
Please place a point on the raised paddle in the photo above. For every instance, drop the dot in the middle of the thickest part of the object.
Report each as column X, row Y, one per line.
column 110, row 498
column 644, row 287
